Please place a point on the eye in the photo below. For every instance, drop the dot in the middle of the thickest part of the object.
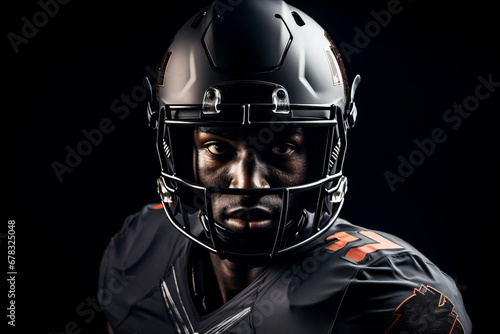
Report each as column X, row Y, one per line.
column 283, row 149
column 217, row 148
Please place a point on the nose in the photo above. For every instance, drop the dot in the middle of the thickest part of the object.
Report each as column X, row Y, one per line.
column 249, row 172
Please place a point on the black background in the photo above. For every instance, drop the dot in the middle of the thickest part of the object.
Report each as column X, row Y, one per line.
column 65, row 79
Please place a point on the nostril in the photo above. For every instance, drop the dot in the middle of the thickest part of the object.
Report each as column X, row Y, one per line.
column 248, row 175
column 248, row 181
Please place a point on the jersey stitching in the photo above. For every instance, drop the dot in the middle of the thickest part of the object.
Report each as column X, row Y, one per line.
column 172, row 308
column 342, row 300
column 180, row 299
column 255, row 299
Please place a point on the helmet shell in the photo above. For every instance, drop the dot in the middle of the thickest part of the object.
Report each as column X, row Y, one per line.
column 269, row 58
column 261, row 40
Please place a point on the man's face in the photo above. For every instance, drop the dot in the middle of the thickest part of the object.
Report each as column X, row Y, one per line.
column 239, row 158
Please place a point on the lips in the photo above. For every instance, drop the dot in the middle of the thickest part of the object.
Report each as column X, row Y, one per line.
column 254, row 219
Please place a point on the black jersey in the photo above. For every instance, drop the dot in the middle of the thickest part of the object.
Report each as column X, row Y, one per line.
column 350, row 280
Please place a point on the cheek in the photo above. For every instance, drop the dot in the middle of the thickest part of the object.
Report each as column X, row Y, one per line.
column 291, row 172
column 218, row 205
column 215, row 173
column 209, row 172
column 300, row 169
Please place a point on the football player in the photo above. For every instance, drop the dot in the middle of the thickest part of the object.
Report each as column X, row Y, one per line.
column 251, row 111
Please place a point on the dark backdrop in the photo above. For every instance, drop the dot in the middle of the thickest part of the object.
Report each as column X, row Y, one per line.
column 82, row 61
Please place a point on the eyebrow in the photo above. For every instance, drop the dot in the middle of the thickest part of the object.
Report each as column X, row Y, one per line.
column 232, row 133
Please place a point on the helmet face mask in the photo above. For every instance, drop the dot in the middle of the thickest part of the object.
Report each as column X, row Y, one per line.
column 253, row 224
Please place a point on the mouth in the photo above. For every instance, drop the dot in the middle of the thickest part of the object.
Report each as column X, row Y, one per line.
column 254, row 219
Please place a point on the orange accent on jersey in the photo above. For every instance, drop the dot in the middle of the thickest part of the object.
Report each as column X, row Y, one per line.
column 158, row 207
column 358, row 253
column 343, row 237
column 424, row 304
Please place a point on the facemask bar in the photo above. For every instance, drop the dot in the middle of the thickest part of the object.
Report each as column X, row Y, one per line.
column 331, row 187
column 279, row 233
column 285, row 193
column 168, row 184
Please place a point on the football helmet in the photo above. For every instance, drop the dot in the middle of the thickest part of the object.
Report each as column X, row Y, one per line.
column 262, row 64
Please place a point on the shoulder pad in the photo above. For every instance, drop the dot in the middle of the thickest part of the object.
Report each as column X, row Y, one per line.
column 135, row 261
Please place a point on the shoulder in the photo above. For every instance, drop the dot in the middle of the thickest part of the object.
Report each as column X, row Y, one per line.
column 135, row 260
column 138, row 236
column 380, row 280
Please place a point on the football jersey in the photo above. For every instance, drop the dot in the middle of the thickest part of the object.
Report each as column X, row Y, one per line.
column 349, row 280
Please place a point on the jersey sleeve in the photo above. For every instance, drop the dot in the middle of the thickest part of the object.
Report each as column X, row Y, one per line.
column 401, row 293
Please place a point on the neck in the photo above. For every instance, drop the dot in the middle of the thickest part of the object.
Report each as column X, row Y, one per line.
column 231, row 277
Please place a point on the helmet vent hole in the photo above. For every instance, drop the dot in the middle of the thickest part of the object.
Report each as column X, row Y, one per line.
column 166, row 148
column 198, row 20
column 298, row 19
column 334, row 156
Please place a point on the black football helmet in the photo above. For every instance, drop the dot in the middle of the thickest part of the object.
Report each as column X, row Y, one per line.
column 261, row 64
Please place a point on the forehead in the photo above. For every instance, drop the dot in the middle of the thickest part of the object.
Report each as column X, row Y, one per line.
column 235, row 133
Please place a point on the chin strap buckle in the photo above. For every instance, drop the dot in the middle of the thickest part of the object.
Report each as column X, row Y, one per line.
column 166, row 194
column 339, row 192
